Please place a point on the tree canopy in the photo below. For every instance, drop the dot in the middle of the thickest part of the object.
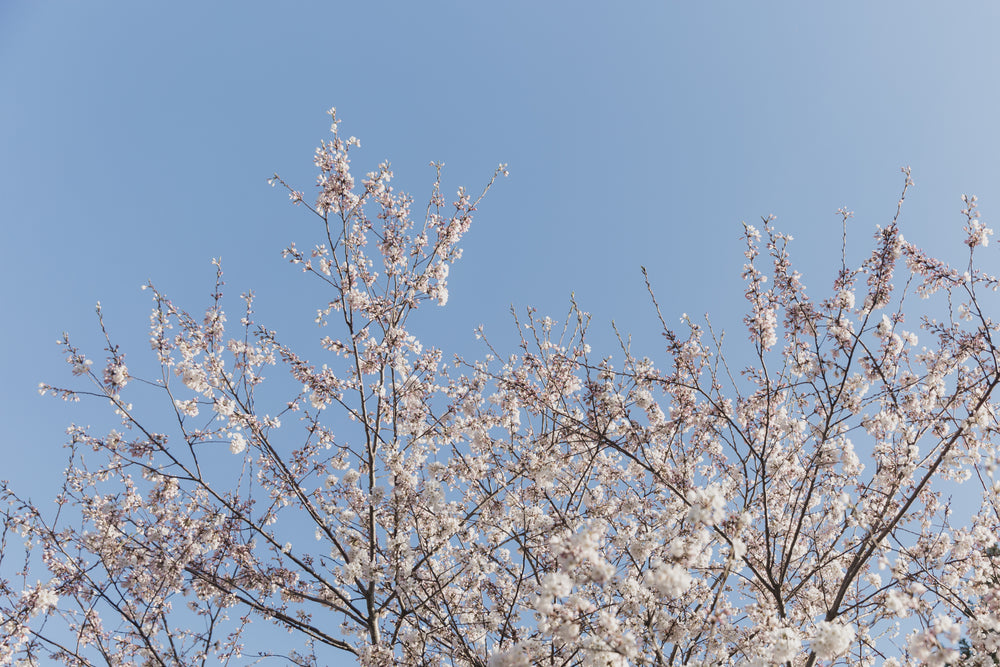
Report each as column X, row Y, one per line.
column 547, row 505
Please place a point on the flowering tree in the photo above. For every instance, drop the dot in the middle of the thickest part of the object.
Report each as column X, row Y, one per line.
column 545, row 507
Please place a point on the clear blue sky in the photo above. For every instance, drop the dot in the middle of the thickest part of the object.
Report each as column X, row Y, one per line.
column 135, row 140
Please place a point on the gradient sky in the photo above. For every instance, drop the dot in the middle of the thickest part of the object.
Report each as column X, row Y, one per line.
column 136, row 139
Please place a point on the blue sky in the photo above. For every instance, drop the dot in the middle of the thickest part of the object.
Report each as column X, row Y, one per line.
column 136, row 139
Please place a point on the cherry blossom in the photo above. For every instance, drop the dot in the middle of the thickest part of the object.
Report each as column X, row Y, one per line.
column 823, row 495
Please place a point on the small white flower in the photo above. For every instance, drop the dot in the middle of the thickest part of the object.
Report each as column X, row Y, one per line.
column 45, row 599
column 556, row 584
column 225, row 406
column 831, row 639
column 785, row 645
column 884, row 327
column 669, row 580
column 194, row 377
column 189, row 408
column 707, row 505
column 119, row 375
column 237, row 443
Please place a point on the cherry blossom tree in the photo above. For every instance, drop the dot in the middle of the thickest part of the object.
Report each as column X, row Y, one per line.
column 549, row 506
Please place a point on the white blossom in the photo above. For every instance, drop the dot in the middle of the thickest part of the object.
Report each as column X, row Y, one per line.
column 831, row 639
column 237, row 443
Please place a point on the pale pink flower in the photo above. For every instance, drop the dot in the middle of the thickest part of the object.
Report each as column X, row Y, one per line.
column 831, row 639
